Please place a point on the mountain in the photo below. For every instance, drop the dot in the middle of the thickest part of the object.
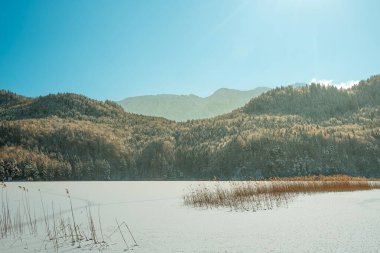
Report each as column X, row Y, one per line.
column 188, row 107
column 287, row 131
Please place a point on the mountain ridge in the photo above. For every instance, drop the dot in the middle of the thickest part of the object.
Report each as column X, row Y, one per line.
column 189, row 107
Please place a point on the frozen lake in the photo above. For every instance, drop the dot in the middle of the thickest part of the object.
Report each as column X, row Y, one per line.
column 154, row 211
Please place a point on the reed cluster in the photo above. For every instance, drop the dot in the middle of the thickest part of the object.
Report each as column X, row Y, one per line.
column 57, row 229
column 322, row 178
column 262, row 195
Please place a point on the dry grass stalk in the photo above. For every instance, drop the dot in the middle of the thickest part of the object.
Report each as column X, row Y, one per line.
column 47, row 227
column 130, row 233
column 55, row 239
column 122, row 235
column 100, row 225
column 91, row 225
column 72, row 213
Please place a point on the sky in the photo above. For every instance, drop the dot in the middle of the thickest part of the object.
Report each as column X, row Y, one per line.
column 117, row 49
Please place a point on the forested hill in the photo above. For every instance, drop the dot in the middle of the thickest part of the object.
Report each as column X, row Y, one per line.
column 316, row 102
column 9, row 98
column 188, row 107
column 61, row 105
column 287, row 131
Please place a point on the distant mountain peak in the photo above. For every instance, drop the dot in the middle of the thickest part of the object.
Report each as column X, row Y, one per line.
column 224, row 90
column 187, row 107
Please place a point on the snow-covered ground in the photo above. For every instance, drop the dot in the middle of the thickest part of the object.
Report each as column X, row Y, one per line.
column 154, row 211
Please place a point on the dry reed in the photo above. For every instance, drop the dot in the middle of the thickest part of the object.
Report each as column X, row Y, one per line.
column 262, row 195
column 59, row 230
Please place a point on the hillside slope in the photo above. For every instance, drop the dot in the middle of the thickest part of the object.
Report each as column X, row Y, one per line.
column 285, row 132
column 188, row 107
column 315, row 101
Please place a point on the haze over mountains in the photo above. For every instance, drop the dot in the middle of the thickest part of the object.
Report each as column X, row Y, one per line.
column 287, row 131
column 188, row 107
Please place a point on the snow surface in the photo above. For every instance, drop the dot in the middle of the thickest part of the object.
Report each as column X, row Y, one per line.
column 154, row 211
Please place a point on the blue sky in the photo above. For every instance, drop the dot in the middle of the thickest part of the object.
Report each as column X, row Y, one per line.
column 116, row 49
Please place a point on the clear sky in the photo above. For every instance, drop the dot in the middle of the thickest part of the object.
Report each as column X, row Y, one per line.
column 116, row 49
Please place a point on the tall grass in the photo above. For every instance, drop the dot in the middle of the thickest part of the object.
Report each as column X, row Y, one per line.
column 256, row 195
